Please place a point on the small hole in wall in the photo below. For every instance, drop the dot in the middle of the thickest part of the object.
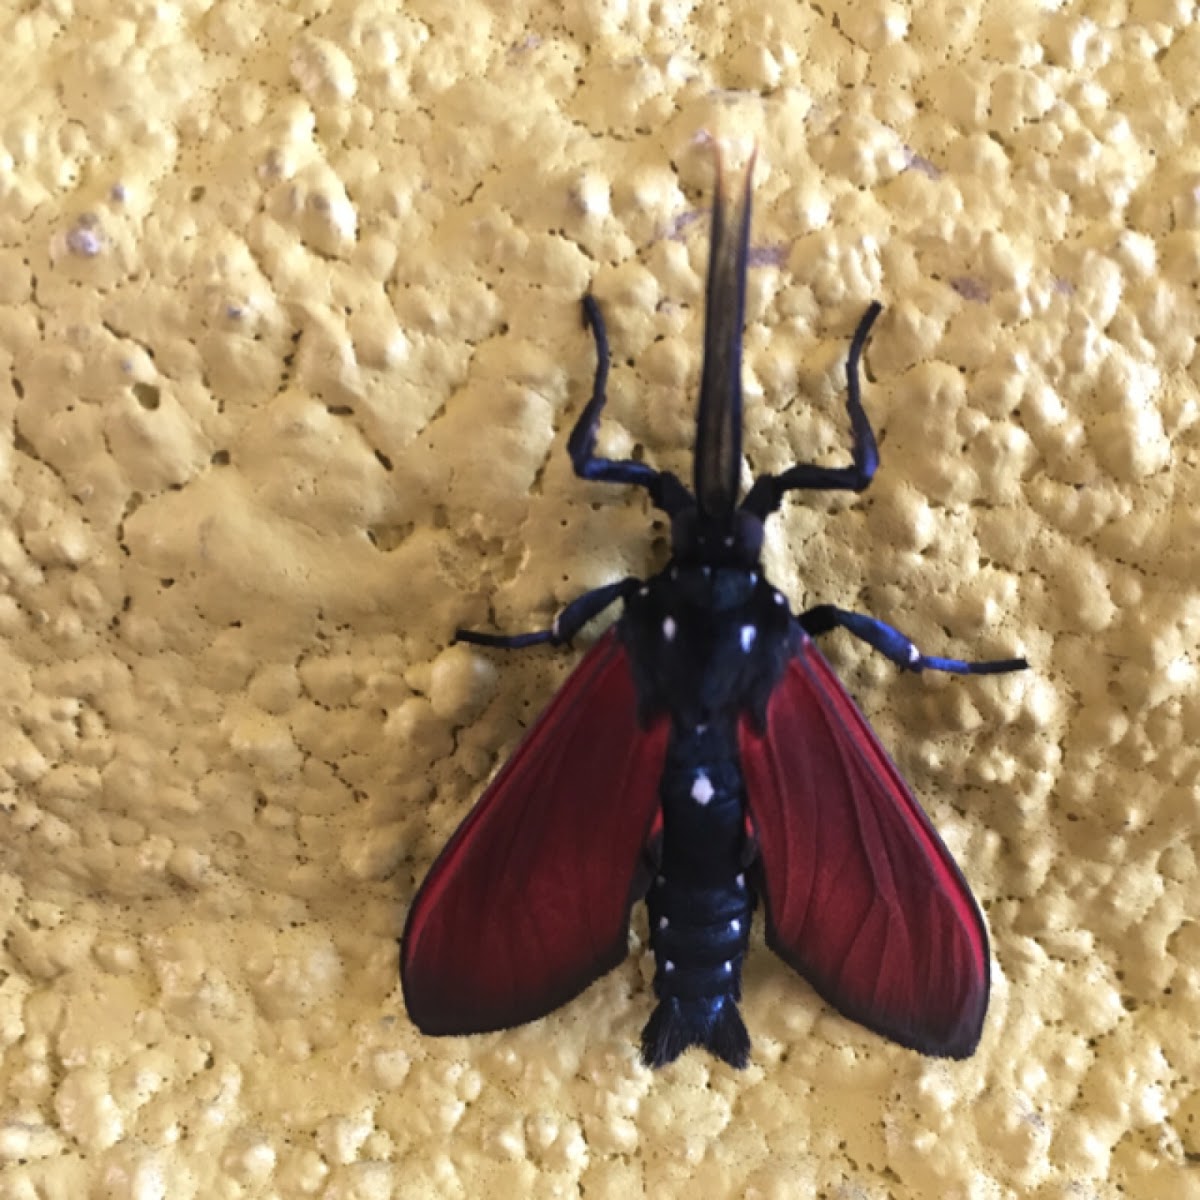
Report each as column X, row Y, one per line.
column 147, row 395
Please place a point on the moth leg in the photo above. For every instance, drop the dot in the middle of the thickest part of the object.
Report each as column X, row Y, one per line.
column 666, row 491
column 565, row 626
column 767, row 493
column 892, row 644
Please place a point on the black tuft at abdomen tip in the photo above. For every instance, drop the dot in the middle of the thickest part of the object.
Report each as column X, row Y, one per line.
column 712, row 1022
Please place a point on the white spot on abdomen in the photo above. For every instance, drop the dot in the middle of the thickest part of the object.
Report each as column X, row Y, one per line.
column 669, row 628
column 748, row 633
column 702, row 788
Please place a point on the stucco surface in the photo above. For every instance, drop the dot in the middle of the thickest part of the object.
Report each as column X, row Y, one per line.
column 289, row 347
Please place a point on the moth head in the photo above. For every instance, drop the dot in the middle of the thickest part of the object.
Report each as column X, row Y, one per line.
column 700, row 540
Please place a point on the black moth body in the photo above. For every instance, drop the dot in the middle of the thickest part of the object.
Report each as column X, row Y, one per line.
column 705, row 645
column 702, row 756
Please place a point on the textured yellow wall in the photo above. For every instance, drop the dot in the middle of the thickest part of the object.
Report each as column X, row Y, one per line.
column 289, row 345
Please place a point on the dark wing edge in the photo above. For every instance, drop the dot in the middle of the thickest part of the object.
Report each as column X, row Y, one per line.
column 862, row 897
column 529, row 901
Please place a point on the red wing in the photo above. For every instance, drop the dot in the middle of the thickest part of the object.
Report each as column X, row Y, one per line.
column 529, row 901
column 862, row 897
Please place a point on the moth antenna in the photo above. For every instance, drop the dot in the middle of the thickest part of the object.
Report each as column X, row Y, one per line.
column 718, row 461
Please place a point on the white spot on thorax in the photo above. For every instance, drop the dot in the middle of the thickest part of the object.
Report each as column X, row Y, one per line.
column 702, row 789
column 741, row 881
column 779, row 598
column 748, row 634
column 735, row 926
column 668, row 965
column 663, row 922
column 668, row 628
column 643, row 590
column 728, row 968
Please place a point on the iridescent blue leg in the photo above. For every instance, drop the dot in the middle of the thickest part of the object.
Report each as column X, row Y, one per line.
column 666, row 491
column 894, row 645
column 566, row 625
column 767, row 493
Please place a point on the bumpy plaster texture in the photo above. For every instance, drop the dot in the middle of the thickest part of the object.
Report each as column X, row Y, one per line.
column 289, row 343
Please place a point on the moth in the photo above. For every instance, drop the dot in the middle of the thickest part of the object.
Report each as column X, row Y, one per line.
column 704, row 756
